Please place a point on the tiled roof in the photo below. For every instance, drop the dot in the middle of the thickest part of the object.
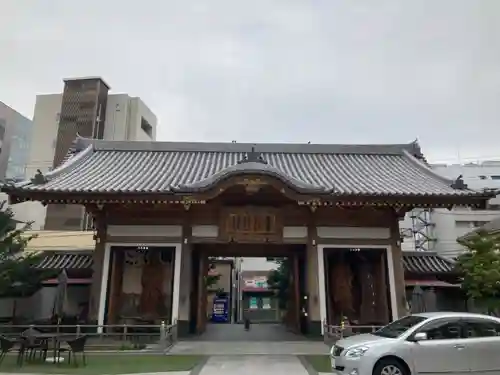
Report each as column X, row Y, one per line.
column 69, row 261
column 422, row 262
column 413, row 262
column 176, row 167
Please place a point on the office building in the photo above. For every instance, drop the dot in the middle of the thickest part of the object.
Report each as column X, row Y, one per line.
column 15, row 140
column 84, row 108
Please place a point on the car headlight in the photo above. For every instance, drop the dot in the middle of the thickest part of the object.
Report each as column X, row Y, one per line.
column 356, row 352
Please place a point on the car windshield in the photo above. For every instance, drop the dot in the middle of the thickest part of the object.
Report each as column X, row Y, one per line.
column 400, row 326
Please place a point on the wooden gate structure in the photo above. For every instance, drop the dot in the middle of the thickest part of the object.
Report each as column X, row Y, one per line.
column 160, row 208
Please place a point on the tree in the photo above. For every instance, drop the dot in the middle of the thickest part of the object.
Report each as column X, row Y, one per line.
column 17, row 273
column 480, row 269
column 279, row 281
column 211, row 280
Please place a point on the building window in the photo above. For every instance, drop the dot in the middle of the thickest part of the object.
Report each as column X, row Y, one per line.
column 2, row 128
column 495, row 177
column 146, row 127
column 478, row 224
column 462, row 224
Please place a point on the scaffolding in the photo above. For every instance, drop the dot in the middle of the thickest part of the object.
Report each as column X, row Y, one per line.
column 422, row 229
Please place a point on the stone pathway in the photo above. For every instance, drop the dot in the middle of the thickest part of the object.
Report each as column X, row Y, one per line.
column 241, row 348
column 257, row 332
column 253, row 365
column 146, row 373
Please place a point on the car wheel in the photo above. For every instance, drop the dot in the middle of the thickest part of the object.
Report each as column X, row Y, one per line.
column 390, row 367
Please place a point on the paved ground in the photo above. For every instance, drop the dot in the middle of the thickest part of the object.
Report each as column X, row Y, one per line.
column 252, row 365
column 146, row 373
column 232, row 339
column 257, row 332
column 238, row 348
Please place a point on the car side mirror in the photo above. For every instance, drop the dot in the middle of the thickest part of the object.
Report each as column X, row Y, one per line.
column 420, row 336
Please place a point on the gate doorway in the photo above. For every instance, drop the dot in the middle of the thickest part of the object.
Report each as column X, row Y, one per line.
column 273, row 316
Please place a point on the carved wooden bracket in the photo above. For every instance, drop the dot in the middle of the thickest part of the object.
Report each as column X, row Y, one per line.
column 313, row 204
column 187, row 202
column 252, row 185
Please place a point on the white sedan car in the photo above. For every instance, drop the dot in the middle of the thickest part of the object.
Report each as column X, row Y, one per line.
column 429, row 343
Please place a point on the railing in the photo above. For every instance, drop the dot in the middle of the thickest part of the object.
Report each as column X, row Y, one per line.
column 333, row 333
column 112, row 337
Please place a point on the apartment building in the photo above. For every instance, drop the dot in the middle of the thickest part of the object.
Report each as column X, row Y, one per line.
column 88, row 109
column 438, row 229
column 15, row 141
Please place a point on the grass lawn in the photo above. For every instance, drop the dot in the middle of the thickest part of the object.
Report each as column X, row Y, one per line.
column 108, row 364
column 321, row 363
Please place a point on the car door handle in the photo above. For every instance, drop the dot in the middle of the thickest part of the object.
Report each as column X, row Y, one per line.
column 459, row 347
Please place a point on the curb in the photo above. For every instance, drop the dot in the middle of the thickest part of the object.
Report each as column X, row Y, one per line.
column 197, row 369
column 310, row 370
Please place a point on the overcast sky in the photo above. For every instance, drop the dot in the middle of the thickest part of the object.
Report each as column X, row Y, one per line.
column 325, row 71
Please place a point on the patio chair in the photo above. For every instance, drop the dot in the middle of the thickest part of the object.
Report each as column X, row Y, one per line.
column 6, row 345
column 76, row 346
column 30, row 345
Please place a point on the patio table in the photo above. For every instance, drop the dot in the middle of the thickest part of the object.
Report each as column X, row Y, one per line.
column 56, row 338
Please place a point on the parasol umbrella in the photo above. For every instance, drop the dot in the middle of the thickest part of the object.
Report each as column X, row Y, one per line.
column 430, row 300
column 417, row 300
column 58, row 309
column 60, row 298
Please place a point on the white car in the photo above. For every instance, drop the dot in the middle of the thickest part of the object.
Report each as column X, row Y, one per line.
column 429, row 343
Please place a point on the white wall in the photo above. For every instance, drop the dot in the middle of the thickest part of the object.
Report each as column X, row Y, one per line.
column 140, row 111
column 123, row 119
column 117, row 110
column 449, row 225
column 40, row 305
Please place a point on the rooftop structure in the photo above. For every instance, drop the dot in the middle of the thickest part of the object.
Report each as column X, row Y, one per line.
column 375, row 173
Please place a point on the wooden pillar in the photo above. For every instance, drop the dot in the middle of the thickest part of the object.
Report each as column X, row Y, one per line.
column 116, row 285
column 381, row 279
column 202, row 294
column 398, row 270
column 97, row 267
column 314, row 322
column 296, row 294
column 328, row 289
column 186, row 287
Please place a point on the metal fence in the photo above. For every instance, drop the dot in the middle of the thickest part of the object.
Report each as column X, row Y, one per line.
column 112, row 337
column 333, row 333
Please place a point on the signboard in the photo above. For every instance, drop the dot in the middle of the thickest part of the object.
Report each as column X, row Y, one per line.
column 266, row 303
column 220, row 310
column 250, row 224
column 256, row 282
column 253, row 303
